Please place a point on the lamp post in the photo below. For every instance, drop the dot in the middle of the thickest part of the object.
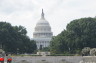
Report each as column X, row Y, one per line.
column 69, row 49
column 17, row 50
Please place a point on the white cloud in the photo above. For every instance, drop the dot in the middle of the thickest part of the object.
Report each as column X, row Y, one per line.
column 58, row 12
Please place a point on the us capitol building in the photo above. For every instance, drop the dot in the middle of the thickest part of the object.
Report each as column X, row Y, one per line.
column 42, row 34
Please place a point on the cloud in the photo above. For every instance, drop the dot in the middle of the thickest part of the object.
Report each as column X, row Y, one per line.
column 9, row 6
column 58, row 12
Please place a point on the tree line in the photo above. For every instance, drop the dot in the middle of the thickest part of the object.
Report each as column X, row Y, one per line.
column 13, row 39
column 78, row 34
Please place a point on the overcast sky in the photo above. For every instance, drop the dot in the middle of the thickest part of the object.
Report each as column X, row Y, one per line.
column 57, row 12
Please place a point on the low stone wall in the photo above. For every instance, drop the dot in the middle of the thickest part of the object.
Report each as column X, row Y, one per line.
column 48, row 59
column 88, row 59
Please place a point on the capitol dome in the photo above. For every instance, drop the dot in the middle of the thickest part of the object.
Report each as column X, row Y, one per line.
column 42, row 21
column 42, row 34
column 43, row 26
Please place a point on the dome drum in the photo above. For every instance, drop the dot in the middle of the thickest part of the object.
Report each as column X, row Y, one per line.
column 42, row 28
column 43, row 35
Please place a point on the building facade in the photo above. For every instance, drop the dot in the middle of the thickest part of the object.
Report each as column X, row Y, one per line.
column 42, row 34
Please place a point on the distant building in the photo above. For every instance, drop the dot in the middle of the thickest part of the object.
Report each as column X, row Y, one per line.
column 43, row 53
column 42, row 34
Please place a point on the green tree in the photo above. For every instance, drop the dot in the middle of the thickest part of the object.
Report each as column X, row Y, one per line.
column 58, row 44
column 79, row 33
column 13, row 39
column 46, row 49
column 83, row 31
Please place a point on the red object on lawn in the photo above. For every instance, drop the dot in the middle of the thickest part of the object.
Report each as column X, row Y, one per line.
column 1, row 59
column 9, row 59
